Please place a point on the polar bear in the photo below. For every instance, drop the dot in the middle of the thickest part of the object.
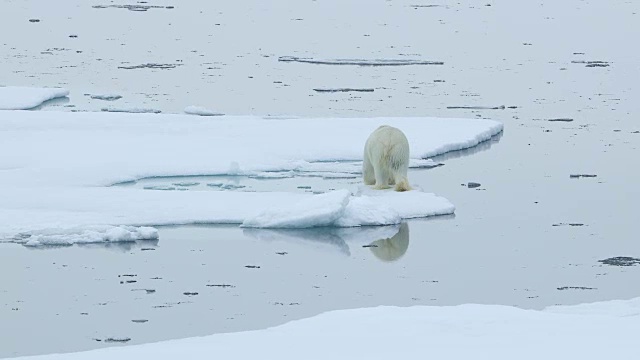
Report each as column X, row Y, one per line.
column 386, row 159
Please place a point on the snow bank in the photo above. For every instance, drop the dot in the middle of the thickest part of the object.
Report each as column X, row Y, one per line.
column 24, row 98
column 201, row 111
column 61, row 165
column 420, row 332
column 87, row 235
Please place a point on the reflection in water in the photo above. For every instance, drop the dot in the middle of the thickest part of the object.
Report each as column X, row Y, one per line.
column 387, row 243
column 483, row 146
column 393, row 248
column 325, row 236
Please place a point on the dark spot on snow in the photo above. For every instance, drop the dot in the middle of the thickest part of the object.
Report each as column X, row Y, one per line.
column 147, row 249
column 370, row 246
column 252, row 266
column 190, row 293
column 567, row 224
column 576, row 288
column 221, row 285
column 472, row 185
column 577, row 176
column 621, row 261
column 140, row 321
column 282, row 253
column 34, row 20
column 128, row 275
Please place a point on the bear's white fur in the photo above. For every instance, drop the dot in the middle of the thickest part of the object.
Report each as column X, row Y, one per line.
column 386, row 159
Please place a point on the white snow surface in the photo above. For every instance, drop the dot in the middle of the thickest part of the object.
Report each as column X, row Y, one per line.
column 489, row 332
column 200, row 110
column 58, row 166
column 87, row 235
column 24, row 98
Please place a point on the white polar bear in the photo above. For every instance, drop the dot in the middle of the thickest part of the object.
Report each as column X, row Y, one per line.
column 386, row 159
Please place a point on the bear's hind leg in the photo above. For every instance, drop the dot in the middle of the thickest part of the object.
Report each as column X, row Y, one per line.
column 367, row 172
column 401, row 181
column 382, row 178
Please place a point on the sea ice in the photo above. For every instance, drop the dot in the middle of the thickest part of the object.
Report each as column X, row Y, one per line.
column 342, row 209
column 202, row 111
column 24, row 98
column 360, row 62
column 607, row 330
column 62, row 164
column 86, row 235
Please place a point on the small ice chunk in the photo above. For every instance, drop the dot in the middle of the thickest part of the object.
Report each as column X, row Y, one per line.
column 132, row 110
column 24, row 98
column 273, row 175
column 106, row 97
column 159, row 187
column 201, row 111
column 186, row 183
column 423, row 164
column 360, row 62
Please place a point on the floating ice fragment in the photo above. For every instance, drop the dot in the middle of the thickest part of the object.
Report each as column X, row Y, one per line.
column 201, row 111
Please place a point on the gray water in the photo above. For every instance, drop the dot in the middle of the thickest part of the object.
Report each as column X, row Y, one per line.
column 501, row 247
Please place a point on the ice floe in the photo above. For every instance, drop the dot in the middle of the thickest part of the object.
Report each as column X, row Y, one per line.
column 360, row 62
column 61, row 166
column 86, row 235
column 202, row 111
column 24, row 98
column 606, row 330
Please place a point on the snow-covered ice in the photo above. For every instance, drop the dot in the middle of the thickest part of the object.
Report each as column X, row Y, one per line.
column 200, row 110
column 61, row 165
column 86, row 235
column 24, row 98
column 606, row 330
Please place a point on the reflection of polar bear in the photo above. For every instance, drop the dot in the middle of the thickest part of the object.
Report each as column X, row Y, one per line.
column 386, row 159
column 393, row 248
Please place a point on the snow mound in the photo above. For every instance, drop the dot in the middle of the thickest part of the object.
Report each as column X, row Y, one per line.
column 24, row 98
column 87, row 235
column 341, row 209
column 467, row 331
column 202, row 111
